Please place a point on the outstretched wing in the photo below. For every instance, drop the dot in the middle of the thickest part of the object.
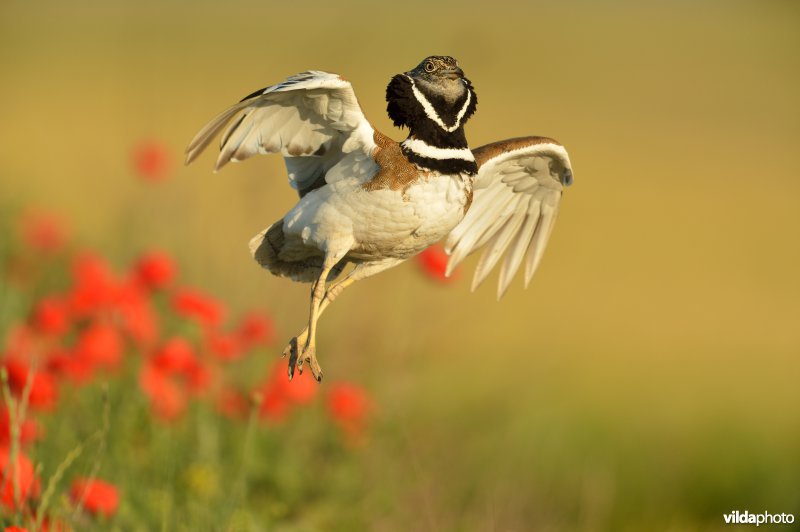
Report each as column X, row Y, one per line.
column 516, row 196
column 313, row 119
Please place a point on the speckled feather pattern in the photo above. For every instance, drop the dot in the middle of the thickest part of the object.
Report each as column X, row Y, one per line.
column 373, row 222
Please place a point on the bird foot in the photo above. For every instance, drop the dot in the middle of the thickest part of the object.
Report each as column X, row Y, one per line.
column 298, row 357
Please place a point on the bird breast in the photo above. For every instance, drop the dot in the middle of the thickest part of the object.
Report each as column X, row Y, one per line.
column 382, row 223
column 402, row 223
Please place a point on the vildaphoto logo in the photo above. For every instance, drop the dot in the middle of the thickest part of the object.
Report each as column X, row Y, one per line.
column 764, row 518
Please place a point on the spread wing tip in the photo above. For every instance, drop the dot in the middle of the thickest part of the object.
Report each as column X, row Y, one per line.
column 204, row 137
column 273, row 120
column 191, row 155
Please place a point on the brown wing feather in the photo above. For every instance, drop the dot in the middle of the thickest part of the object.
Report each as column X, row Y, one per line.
column 492, row 150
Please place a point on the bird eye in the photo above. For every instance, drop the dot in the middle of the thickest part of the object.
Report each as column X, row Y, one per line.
column 429, row 66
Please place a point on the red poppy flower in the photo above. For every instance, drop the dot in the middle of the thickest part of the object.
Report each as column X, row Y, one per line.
column 200, row 307
column 95, row 287
column 225, row 347
column 15, row 529
column 301, row 389
column 64, row 363
column 198, row 378
column 151, row 160
column 170, row 375
column 274, row 404
column 101, row 345
column 167, row 398
column 96, row 496
column 44, row 232
column 55, row 525
column 433, row 262
column 50, row 316
column 175, row 356
column 28, row 431
column 138, row 320
column 232, row 403
column 349, row 406
column 274, row 401
column 43, row 390
column 21, row 341
column 155, row 270
column 256, row 328
column 279, row 394
column 23, row 472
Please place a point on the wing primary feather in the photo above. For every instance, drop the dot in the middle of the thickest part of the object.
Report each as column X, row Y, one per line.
column 517, row 194
column 539, row 241
column 313, row 113
column 254, row 94
column 461, row 242
column 507, row 212
column 478, row 235
column 225, row 136
column 484, row 201
column 230, row 147
column 207, row 134
column 517, row 248
column 494, row 249
column 526, row 187
column 248, row 146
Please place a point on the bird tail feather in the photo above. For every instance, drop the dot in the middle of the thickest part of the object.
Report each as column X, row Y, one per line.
column 287, row 256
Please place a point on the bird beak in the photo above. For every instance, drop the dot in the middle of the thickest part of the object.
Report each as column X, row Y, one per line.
column 453, row 73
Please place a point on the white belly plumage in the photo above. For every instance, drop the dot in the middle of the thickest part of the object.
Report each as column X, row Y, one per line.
column 379, row 223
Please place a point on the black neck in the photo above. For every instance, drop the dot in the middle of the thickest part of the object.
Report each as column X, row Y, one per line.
column 407, row 111
column 444, row 166
column 429, row 132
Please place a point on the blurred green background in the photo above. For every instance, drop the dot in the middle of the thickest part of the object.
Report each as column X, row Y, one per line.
column 647, row 378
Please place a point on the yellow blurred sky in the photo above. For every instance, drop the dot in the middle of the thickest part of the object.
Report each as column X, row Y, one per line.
column 672, row 271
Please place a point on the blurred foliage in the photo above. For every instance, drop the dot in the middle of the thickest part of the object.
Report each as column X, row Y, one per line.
column 647, row 379
column 178, row 433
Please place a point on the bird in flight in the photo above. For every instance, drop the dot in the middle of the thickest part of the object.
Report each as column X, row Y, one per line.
column 372, row 202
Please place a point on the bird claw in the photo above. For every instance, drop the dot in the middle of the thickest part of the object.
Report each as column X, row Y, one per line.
column 292, row 351
column 310, row 356
column 297, row 359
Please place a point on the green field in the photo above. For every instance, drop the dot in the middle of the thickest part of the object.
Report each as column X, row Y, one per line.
column 648, row 378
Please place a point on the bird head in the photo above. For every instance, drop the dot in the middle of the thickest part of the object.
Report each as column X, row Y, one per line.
column 435, row 94
column 440, row 75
